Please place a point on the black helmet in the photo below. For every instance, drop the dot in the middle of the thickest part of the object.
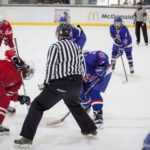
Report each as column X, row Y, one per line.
column 28, row 72
column 63, row 31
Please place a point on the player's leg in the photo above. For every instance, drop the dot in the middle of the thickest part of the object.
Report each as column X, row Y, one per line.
column 144, row 30
column 97, row 100
column 137, row 32
column 114, row 54
column 4, row 103
column 85, row 123
column 85, row 99
column 97, row 105
column 128, row 52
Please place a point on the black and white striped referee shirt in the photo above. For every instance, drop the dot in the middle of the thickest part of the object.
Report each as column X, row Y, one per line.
column 64, row 58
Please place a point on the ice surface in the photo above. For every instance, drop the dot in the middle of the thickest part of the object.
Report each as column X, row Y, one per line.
column 126, row 105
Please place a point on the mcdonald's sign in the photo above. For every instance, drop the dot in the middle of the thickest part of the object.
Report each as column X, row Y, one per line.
column 93, row 16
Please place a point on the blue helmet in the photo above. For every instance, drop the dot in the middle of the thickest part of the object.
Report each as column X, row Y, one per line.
column 63, row 19
column 118, row 19
column 118, row 22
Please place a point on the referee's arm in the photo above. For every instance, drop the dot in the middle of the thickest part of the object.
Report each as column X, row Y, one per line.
column 51, row 62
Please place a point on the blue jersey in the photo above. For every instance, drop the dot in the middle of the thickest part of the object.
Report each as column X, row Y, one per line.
column 122, row 34
column 93, row 60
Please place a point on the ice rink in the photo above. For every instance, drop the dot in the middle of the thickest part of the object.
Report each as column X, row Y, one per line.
column 126, row 104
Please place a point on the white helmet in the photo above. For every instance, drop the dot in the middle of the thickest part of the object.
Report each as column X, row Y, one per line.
column 1, row 19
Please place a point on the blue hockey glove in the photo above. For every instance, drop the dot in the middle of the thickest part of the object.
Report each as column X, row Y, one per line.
column 80, row 28
column 100, row 72
column 24, row 100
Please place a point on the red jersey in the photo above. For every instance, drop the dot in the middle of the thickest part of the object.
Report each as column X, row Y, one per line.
column 7, row 33
column 6, row 30
column 10, row 78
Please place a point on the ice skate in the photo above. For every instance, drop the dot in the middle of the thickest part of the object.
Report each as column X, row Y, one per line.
column 131, row 70
column 23, row 143
column 3, row 130
column 89, row 133
column 113, row 66
column 98, row 119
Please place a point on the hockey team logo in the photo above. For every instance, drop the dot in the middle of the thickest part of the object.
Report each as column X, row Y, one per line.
column 93, row 16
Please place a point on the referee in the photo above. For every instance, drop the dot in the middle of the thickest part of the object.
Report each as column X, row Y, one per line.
column 64, row 71
column 140, row 18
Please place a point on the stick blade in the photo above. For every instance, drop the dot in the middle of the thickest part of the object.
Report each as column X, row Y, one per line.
column 53, row 123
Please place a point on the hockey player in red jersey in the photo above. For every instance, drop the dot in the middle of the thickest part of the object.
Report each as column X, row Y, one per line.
column 10, row 82
column 6, row 33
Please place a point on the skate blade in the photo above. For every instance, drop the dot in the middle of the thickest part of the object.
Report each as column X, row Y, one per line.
column 23, row 146
column 4, row 133
column 99, row 126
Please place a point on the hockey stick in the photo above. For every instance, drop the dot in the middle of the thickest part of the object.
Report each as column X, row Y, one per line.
column 58, row 121
column 124, row 69
column 24, row 89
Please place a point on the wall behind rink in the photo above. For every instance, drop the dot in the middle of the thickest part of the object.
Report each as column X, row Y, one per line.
column 49, row 16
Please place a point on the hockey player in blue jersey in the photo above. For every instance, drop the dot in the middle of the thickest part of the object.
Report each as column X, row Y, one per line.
column 122, row 42
column 77, row 34
column 97, row 76
column 146, row 143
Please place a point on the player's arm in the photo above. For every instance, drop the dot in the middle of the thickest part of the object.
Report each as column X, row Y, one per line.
column 126, row 37
column 11, row 55
column 113, row 35
column 102, row 65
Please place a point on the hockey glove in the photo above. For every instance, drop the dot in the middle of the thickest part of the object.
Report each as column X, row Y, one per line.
column 117, row 41
column 80, row 28
column 6, row 42
column 100, row 72
column 18, row 63
column 24, row 100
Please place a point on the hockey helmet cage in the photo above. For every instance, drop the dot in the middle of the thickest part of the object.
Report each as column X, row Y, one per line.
column 28, row 72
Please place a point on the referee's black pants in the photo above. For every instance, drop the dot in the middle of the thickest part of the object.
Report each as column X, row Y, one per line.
column 67, row 89
column 138, row 26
